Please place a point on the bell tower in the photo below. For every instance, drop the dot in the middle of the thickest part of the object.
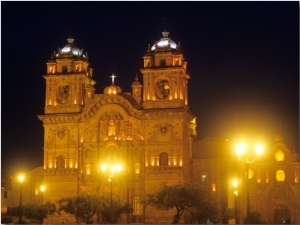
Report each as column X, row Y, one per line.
column 169, row 125
column 69, row 81
column 165, row 77
column 137, row 90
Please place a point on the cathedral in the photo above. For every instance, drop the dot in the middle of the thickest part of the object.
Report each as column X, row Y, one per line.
column 148, row 132
column 129, row 143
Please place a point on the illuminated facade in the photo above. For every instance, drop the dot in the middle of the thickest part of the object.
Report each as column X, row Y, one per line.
column 150, row 133
column 273, row 179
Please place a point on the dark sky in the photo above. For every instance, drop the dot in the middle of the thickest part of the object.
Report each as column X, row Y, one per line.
column 242, row 57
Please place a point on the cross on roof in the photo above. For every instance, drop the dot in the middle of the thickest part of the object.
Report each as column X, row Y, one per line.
column 113, row 76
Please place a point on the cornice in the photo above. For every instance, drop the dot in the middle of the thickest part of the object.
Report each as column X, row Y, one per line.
column 60, row 118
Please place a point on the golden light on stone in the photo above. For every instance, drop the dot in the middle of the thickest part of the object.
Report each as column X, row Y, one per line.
column 280, row 175
column 50, row 164
column 71, row 163
column 250, row 174
column 42, row 188
column 152, row 161
column 137, row 168
column 174, row 161
column 213, row 187
column 88, row 169
column 279, row 156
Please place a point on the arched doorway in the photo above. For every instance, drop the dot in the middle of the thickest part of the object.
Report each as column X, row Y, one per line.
column 282, row 215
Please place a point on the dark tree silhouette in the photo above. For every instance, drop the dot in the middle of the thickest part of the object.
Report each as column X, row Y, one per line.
column 184, row 198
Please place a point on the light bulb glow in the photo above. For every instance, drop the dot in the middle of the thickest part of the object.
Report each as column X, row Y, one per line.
column 103, row 167
column 259, row 149
column 241, row 148
column 235, row 183
column 42, row 188
column 21, row 178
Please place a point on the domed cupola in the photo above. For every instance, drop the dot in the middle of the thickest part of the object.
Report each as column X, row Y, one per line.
column 164, row 75
column 69, row 59
column 164, row 53
column 69, row 83
column 70, row 50
column 164, row 43
column 112, row 89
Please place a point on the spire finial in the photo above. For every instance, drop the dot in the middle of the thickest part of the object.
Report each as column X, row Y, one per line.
column 70, row 40
column 136, row 77
column 164, row 25
column 165, row 33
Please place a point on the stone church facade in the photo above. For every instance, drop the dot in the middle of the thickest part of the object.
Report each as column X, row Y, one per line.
column 148, row 135
column 149, row 132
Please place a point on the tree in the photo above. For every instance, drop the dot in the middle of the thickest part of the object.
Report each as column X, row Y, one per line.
column 36, row 212
column 184, row 197
column 39, row 212
column 169, row 197
column 5, row 219
column 83, row 207
column 106, row 211
column 227, row 214
column 206, row 206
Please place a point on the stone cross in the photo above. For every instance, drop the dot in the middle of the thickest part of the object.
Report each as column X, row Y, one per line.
column 113, row 76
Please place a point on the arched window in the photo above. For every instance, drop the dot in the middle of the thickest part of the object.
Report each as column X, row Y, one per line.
column 279, row 156
column 65, row 69
column 164, row 159
column 88, row 153
column 60, row 162
column 280, row 175
column 282, row 215
column 137, row 168
column 88, row 169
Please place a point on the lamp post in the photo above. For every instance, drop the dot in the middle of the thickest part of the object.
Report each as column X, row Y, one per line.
column 21, row 179
column 111, row 170
column 235, row 184
column 247, row 158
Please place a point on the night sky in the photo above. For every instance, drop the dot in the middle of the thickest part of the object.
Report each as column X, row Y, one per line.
column 243, row 59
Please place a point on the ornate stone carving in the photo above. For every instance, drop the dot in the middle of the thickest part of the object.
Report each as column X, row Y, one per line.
column 61, row 133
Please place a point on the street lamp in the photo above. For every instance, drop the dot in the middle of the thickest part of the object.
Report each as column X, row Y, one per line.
column 21, row 178
column 235, row 185
column 247, row 158
column 111, row 170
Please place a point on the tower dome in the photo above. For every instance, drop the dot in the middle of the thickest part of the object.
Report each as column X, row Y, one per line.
column 164, row 42
column 70, row 50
